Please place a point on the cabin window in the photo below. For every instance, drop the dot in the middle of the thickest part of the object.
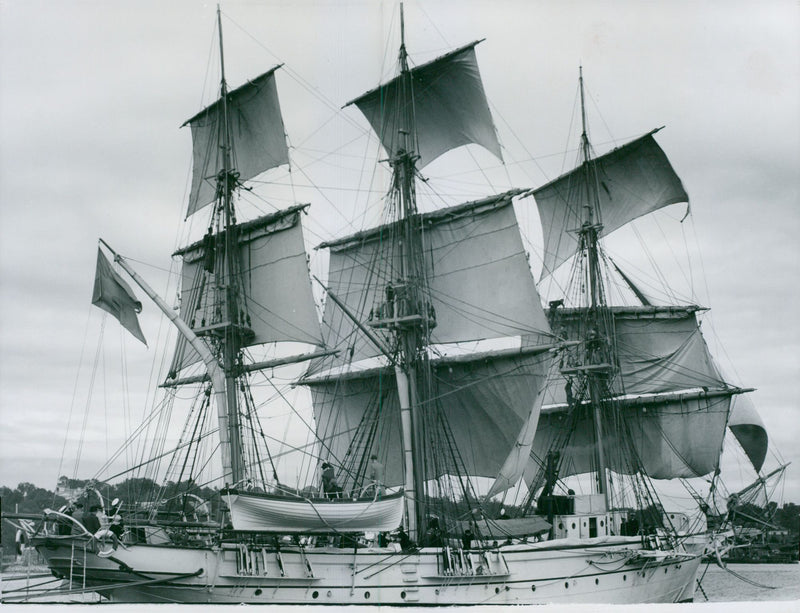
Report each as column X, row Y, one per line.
column 315, row 595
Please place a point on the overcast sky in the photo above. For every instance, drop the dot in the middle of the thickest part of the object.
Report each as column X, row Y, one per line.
column 92, row 94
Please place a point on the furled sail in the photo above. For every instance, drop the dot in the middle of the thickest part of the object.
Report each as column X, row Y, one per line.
column 634, row 179
column 271, row 255
column 746, row 425
column 480, row 283
column 448, row 105
column 257, row 136
column 485, row 398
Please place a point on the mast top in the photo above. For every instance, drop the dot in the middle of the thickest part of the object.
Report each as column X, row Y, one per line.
column 402, row 30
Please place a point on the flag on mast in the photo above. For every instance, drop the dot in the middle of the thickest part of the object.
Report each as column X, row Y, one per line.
column 115, row 296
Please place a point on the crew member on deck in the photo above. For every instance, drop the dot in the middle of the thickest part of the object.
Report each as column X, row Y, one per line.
column 77, row 514
column 376, row 474
column 64, row 524
column 330, row 488
column 90, row 521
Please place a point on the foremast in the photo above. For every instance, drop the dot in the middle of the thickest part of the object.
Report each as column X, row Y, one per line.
column 232, row 332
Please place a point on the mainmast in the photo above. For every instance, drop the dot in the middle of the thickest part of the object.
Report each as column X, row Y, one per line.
column 419, row 115
column 411, row 326
column 597, row 356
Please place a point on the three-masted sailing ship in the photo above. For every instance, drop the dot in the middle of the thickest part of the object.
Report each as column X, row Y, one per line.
column 406, row 411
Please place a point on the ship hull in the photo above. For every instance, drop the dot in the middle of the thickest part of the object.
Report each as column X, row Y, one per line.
column 601, row 570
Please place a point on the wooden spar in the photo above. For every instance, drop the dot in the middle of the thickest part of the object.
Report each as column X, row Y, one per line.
column 293, row 359
column 660, row 398
column 215, row 372
column 367, row 332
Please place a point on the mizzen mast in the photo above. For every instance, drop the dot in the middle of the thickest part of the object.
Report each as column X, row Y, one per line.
column 597, row 359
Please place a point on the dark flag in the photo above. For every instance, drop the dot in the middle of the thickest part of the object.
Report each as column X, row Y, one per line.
column 115, row 296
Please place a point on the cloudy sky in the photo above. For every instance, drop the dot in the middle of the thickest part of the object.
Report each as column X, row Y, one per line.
column 92, row 95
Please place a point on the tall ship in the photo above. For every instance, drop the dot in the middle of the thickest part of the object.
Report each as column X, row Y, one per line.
column 434, row 368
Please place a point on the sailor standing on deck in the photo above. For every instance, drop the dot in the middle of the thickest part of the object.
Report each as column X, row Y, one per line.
column 329, row 485
column 90, row 520
column 376, row 474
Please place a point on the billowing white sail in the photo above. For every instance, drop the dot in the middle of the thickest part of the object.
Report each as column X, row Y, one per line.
column 660, row 349
column 633, row 180
column 485, row 400
column 517, row 460
column 746, row 425
column 674, row 403
column 257, row 136
column 448, row 105
column 672, row 435
column 273, row 275
column 480, row 283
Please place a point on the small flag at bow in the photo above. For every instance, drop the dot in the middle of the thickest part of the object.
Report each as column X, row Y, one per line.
column 115, row 296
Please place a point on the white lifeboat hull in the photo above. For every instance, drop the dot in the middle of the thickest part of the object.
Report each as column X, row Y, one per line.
column 256, row 512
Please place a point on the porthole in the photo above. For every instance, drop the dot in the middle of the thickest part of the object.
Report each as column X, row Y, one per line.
column 403, row 595
column 533, row 588
column 566, row 585
column 573, row 525
column 601, row 523
column 560, row 526
column 366, row 595
column 497, row 590
column 315, row 595
column 507, row 588
column 597, row 581
column 624, row 577
column 665, row 571
column 329, row 594
column 258, row 592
